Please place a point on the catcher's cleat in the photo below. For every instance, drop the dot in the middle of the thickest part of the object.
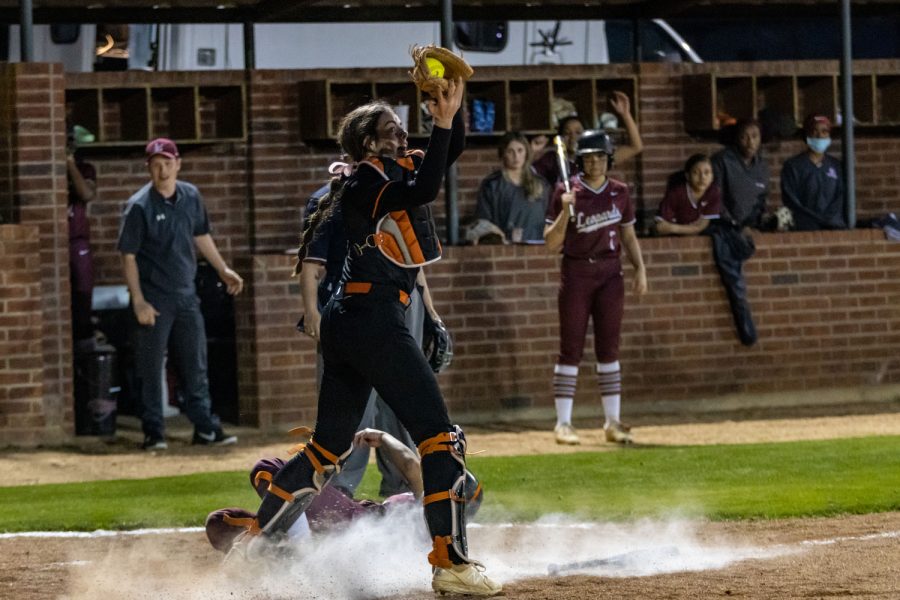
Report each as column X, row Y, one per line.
column 468, row 579
column 251, row 548
column 248, row 547
column 566, row 434
column 618, row 433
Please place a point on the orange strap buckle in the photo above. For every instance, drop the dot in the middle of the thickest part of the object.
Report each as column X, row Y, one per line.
column 264, row 475
column 439, row 443
column 440, row 496
column 284, row 495
column 325, row 453
column 249, row 523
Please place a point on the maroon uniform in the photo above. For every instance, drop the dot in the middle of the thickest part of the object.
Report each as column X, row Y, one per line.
column 328, row 510
column 81, row 267
column 547, row 166
column 679, row 205
column 591, row 279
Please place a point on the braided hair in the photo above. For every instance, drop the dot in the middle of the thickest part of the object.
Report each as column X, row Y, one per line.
column 357, row 130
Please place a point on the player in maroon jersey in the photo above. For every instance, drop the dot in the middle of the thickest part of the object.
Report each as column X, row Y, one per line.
column 692, row 200
column 592, row 283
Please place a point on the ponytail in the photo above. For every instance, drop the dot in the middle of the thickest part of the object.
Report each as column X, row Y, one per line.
column 356, row 127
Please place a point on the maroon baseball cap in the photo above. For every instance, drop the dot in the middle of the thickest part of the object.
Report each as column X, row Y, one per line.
column 162, row 146
column 809, row 124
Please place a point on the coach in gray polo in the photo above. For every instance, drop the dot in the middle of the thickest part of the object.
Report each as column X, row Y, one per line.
column 163, row 226
column 743, row 176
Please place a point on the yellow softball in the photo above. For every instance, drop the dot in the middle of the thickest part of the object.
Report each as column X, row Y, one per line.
column 435, row 67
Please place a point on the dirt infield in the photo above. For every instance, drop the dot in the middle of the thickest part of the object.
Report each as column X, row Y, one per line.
column 848, row 556
column 855, row 556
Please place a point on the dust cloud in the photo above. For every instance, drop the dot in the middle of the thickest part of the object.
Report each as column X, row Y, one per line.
column 384, row 557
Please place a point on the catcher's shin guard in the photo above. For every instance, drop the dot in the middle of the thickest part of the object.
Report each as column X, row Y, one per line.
column 294, row 487
column 445, row 510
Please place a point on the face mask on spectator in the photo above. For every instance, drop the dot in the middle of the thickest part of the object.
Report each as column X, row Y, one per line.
column 818, row 145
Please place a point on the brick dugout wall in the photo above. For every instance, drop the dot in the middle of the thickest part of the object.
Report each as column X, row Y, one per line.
column 826, row 304
column 667, row 146
column 34, row 188
column 254, row 192
column 23, row 414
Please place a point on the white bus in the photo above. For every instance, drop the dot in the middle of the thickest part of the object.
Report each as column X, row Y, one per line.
column 332, row 45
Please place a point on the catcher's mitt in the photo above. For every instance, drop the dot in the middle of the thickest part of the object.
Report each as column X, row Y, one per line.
column 437, row 345
column 425, row 75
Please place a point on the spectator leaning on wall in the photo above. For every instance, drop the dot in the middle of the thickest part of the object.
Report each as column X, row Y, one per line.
column 743, row 176
column 514, row 197
column 812, row 184
column 692, row 200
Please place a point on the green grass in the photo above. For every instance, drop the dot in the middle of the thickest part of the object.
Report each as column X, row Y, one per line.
column 773, row 480
column 719, row 482
column 125, row 503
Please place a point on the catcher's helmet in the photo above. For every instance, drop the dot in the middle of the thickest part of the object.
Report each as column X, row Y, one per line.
column 223, row 526
column 437, row 344
column 595, row 141
column 474, row 495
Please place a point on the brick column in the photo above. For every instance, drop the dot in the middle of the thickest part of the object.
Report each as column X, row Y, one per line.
column 33, row 192
column 276, row 363
column 22, row 414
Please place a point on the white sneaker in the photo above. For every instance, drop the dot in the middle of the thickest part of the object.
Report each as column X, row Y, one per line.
column 618, row 433
column 464, row 579
column 566, row 434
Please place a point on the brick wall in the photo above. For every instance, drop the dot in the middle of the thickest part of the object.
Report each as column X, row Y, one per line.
column 254, row 192
column 33, row 101
column 667, row 145
column 220, row 171
column 277, row 365
column 23, row 414
column 825, row 305
column 678, row 341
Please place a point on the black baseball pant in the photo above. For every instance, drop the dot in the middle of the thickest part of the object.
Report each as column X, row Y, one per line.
column 365, row 344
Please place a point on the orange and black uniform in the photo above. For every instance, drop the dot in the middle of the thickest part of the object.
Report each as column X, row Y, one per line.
column 365, row 341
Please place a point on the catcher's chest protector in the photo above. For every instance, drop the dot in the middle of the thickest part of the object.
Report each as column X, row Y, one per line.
column 407, row 238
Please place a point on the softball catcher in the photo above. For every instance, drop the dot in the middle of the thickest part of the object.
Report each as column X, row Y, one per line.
column 384, row 200
column 332, row 508
column 589, row 224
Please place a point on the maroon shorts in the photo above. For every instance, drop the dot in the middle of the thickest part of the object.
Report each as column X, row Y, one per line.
column 590, row 288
